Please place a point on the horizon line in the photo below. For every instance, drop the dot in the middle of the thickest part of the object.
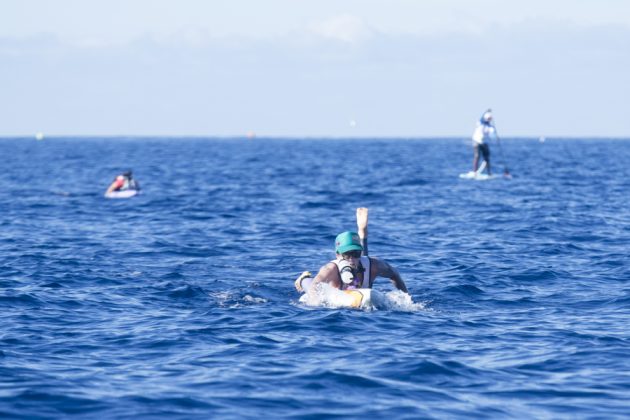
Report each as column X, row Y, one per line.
column 41, row 136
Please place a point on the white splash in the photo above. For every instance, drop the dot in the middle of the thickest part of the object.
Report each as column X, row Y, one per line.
column 324, row 295
column 233, row 300
column 396, row 300
column 253, row 299
column 327, row 296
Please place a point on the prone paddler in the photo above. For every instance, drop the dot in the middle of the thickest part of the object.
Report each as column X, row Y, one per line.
column 123, row 182
column 352, row 268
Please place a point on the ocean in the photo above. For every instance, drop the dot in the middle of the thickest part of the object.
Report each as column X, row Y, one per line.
column 179, row 303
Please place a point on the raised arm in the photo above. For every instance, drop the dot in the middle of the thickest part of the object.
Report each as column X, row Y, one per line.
column 116, row 184
column 384, row 269
column 112, row 187
column 362, row 222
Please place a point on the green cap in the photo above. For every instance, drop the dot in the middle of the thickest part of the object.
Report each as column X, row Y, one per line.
column 347, row 241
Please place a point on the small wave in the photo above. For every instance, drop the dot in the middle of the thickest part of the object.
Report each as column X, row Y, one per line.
column 423, row 369
column 412, row 182
column 232, row 299
column 253, row 299
column 535, row 276
column 61, row 193
column 315, row 204
column 464, row 289
column 21, row 300
column 52, row 285
column 348, row 379
column 186, row 291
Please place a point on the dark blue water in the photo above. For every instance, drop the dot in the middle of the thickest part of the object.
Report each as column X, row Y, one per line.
column 179, row 303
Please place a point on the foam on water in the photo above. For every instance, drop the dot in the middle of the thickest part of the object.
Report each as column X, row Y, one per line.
column 323, row 295
column 396, row 300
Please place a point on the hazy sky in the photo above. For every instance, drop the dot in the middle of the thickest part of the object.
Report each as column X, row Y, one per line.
column 415, row 68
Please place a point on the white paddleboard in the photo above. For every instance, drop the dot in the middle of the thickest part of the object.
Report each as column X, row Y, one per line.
column 121, row 194
column 476, row 176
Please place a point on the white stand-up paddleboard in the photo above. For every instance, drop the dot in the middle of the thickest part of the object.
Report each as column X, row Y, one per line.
column 121, row 194
column 476, row 176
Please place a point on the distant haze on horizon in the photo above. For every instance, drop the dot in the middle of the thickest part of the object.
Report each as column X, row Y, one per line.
column 326, row 68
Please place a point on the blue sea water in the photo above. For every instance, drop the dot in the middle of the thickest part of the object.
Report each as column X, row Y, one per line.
column 179, row 303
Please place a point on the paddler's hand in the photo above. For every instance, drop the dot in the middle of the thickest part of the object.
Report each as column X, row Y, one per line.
column 298, row 281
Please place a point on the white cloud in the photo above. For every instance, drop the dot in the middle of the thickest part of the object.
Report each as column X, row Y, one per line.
column 345, row 28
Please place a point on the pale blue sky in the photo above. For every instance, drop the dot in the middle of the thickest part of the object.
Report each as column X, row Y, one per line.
column 411, row 68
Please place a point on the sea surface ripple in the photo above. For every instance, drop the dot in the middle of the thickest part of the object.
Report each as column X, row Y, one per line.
column 179, row 303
